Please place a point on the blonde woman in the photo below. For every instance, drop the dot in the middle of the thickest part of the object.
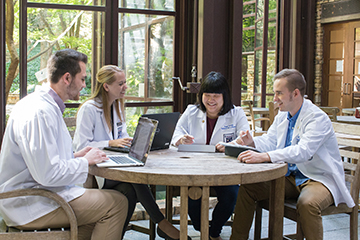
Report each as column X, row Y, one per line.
column 100, row 122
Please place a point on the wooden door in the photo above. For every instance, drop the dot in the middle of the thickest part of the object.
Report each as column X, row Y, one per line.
column 341, row 69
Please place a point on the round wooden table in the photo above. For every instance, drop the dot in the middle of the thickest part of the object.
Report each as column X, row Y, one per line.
column 189, row 169
column 348, row 119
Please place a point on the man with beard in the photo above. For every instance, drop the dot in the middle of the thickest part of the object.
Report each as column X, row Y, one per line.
column 37, row 153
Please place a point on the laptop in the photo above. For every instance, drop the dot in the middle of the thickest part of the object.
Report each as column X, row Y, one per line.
column 165, row 129
column 140, row 146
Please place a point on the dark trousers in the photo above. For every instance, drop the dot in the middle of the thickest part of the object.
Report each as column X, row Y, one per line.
column 226, row 196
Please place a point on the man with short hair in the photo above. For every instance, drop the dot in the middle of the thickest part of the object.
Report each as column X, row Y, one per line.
column 37, row 153
column 301, row 135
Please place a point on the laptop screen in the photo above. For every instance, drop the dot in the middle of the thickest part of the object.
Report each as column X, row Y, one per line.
column 142, row 139
column 165, row 129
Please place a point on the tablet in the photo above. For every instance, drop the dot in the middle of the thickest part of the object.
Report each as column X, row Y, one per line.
column 196, row 148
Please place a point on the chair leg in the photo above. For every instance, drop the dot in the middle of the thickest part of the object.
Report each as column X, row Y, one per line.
column 258, row 218
column 152, row 226
column 299, row 232
column 168, row 203
column 354, row 224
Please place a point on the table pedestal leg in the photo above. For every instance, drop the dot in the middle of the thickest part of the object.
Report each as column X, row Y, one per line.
column 184, row 195
column 205, row 213
column 276, row 208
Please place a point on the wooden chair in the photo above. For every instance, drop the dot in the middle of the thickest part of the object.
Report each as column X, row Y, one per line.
column 70, row 124
column 332, row 112
column 10, row 233
column 273, row 111
column 350, row 156
column 248, row 109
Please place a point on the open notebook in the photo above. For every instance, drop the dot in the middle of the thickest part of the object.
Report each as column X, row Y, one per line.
column 140, row 146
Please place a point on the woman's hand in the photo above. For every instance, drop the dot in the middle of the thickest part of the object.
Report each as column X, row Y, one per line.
column 220, row 148
column 121, row 142
column 186, row 139
column 95, row 156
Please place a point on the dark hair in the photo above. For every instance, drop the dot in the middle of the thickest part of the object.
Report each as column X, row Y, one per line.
column 63, row 61
column 215, row 82
column 294, row 80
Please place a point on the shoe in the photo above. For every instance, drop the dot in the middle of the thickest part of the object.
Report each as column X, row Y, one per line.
column 165, row 236
column 215, row 238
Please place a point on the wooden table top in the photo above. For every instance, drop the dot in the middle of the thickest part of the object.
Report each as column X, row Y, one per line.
column 172, row 168
column 348, row 119
column 260, row 110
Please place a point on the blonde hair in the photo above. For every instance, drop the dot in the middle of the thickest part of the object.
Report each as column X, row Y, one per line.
column 106, row 75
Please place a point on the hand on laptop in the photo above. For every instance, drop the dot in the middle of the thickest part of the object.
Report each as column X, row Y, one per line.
column 121, row 142
column 95, row 156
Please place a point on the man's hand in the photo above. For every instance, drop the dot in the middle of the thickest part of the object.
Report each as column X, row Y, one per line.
column 82, row 152
column 95, row 156
column 253, row 157
column 121, row 142
column 245, row 138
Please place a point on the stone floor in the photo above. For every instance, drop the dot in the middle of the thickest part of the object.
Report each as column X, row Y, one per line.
column 335, row 226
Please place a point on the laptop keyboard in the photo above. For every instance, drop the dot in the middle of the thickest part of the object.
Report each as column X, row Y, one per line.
column 121, row 159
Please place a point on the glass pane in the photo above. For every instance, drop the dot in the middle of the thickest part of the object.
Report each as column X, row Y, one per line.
column 133, row 114
column 259, row 33
column 247, row 77
column 257, row 101
column 357, row 49
column 336, row 50
column 356, row 66
column 161, row 59
column 357, row 83
column 337, row 36
column 72, row 2
column 270, row 71
column 248, row 40
column 258, row 73
column 127, row 19
column 272, row 8
column 50, row 30
column 249, row 9
column 167, row 5
column 133, row 4
column 260, row 9
column 357, row 33
column 336, row 66
column 272, row 34
column 133, row 61
column 335, row 83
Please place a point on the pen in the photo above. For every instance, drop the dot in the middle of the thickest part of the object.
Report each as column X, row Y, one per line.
column 184, row 130
column 250, row 131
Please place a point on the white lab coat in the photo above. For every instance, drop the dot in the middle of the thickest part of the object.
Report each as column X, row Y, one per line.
column 314, row 149
column 37, row 153
column 227, row 128
column 92, row 129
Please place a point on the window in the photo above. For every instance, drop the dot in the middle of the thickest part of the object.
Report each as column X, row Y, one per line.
column 259, row 50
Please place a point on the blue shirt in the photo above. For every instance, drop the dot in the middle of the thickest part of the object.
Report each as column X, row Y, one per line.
column 292, row 168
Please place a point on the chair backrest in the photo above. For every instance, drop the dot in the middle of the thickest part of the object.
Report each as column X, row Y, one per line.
column 70, row 124
column 348, row 137
column 332, row 112
column 273, row 111
column 249, row 112
column 13, row 233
